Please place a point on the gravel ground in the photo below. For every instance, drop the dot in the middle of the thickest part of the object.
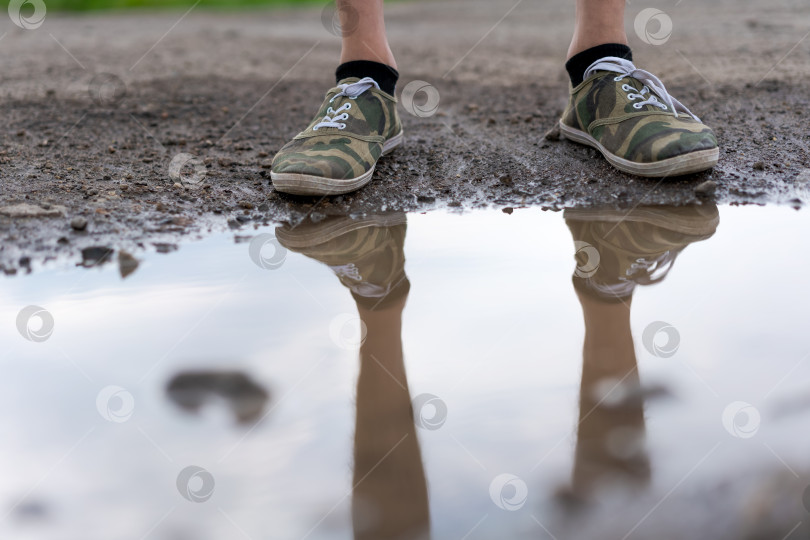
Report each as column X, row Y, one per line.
column 97, row 107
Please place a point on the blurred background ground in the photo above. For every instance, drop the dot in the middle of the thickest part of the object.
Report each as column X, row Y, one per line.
column 231, row 87
column 87, row 5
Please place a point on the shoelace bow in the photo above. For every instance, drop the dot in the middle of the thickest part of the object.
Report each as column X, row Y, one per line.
column 351, row 91
column 652, row 84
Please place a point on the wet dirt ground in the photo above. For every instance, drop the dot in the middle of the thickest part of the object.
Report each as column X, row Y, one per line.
column 96, row 107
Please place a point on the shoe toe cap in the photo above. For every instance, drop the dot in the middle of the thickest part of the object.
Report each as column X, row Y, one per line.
column 685, row 142
column 652, row 139
column 313, row 164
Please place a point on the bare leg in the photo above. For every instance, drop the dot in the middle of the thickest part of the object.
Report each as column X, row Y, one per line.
column 364, row 32
column 598, row 22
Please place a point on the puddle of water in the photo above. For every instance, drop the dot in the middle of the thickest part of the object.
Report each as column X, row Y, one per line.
column 537, row 375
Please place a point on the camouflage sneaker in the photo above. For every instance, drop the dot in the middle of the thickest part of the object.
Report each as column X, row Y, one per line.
column 628, row 115
column 356, row 124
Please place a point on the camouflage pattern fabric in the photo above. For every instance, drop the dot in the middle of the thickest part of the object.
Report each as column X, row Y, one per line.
column 600, row 106
column 638, row 248
column 369, row 261
column 346, row 153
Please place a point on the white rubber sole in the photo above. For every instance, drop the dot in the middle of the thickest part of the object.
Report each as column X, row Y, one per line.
column 675, row 166
column 305, row 184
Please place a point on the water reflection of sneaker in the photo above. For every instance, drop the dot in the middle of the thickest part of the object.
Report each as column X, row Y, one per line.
column 365, row 254
column 635, row 248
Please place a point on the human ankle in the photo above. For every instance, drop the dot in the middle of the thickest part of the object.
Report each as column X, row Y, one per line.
column 385, row 75
column 577, row 64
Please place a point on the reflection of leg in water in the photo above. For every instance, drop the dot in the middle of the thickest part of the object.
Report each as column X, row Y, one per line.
column 615, row 253
column 390, row 494
column 610, row 432
column 389, row 499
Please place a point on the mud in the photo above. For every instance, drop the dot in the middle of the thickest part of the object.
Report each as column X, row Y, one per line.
column 96, row 108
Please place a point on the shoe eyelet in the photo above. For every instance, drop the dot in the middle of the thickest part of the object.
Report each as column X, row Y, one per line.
column 627, row 88
column 315, row 128
column 342, row 126
column 619, row 78
column 636, row 105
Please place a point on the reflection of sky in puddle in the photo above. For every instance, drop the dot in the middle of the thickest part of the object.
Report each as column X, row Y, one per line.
column 492, row 326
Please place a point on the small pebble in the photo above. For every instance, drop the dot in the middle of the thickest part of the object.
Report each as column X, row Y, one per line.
column 706, row 188
column 759, row 166
column 553, row 134
column 78, row 223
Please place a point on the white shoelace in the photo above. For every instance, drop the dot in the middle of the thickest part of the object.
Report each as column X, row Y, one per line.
column 351, row 91
column 652, row 85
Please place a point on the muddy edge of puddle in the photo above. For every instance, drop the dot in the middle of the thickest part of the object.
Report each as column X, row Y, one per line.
column 96, row 170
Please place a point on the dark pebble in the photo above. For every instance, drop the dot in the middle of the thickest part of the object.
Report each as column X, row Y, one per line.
column 96, row 255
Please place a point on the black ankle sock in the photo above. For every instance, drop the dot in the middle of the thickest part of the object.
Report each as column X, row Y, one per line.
column 385, row 75
column 578, row 63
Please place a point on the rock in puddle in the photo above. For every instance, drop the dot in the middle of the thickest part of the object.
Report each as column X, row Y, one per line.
column 163, row 247
column 96, row 255
column 246, row 399
column 127, row 264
